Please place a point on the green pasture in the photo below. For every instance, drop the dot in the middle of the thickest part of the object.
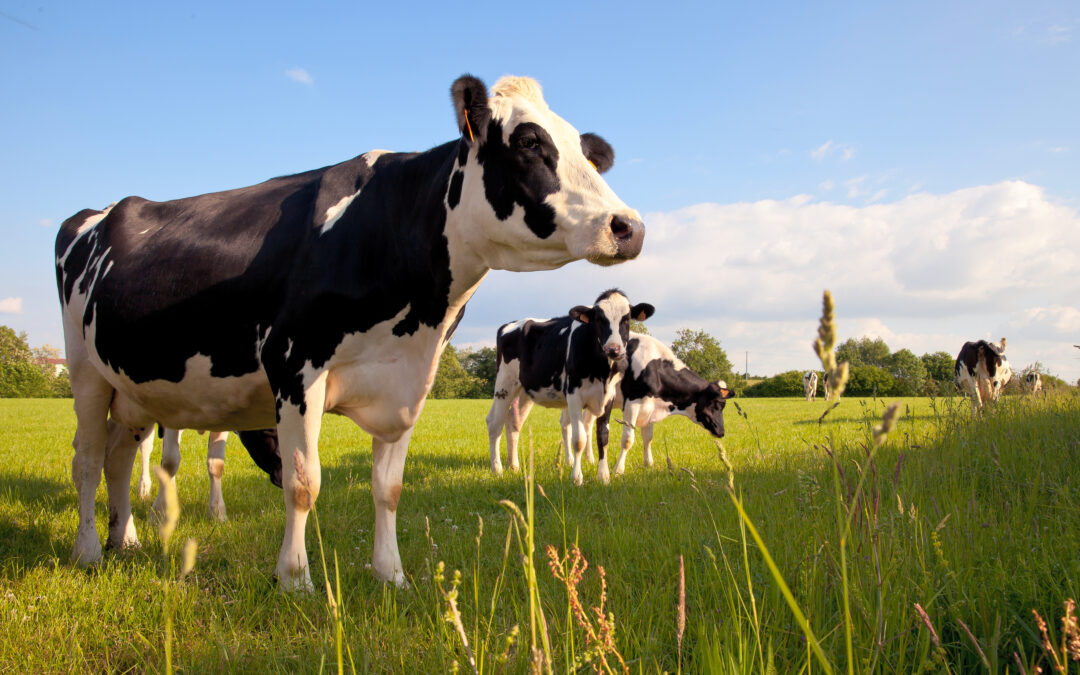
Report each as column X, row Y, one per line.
column 977, row 522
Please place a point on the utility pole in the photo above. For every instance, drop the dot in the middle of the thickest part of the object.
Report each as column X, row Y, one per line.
column 746, row 368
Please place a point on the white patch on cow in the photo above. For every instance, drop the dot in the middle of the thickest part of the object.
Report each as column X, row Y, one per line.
column 650, row 349
column 809, row 384
column 107, row 269
column 614, row 308
column 563, row 331
column 334, row 213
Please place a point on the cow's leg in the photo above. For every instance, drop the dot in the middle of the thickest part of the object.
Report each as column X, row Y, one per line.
column 121, row 446
column 170, row 462
column 646, row 442
column 298, row 435
column 579, row 433
column 215, row 467
column 507, row 389
column 601, row 445
column 630, row 415
column 519, row 410
column 387, row 468
column 146, row 448
column 564, row 422
column 93, row 396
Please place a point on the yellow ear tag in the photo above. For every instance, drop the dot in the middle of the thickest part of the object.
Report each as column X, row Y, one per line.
column 468, row 126
column 592, row 165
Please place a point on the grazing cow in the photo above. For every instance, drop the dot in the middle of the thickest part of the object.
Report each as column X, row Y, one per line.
column 570, row 362
column 170, row 462
column 809, row 385
column 657, row 384
column 1032, row 382
column 331, row 290
column 825, row 384
column 982, row 371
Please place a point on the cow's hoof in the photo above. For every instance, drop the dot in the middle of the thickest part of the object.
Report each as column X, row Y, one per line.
column 87, row 552
column 496, row 468
column 578, row 478
column 144, row 490
column 126, row 543
column 514, row 466
column 602, row 473
column 217, row 512
column 295, row 583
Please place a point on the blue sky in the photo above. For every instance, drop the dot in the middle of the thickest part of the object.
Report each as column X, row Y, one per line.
column 920, row 159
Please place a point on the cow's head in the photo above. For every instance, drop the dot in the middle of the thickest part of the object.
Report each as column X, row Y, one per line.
column 609, row 320
column 527, row 185
column 708, row 407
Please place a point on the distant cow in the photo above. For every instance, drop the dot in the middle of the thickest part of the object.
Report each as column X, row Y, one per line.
column 1032, row 382
column 170, row 462
column 334, row 290
column 982, row 371
column 570, row 362
column 657, row 384
column 825, row 384
column 809, row 385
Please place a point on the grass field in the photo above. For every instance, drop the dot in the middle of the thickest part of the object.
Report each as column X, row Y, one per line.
column 977, row 523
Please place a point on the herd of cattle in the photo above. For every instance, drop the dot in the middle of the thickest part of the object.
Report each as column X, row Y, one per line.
column 336, row 290
column 981, row 372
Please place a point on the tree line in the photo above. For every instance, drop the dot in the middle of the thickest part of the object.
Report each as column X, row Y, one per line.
column 25, row 372
column 877, row 371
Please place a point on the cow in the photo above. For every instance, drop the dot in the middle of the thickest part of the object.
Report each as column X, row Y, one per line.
column 657, row 384
column 809, row 385
column 571, row 362
column 825, row 384
column 170, row 462
column 1032, row 382
column 334, row 290
column 982, row 371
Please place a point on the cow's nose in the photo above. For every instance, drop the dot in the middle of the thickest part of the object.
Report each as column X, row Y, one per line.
column 629, row 235
column 613, row 351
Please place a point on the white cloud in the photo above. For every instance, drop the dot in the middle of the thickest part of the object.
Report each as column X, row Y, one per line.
column 826, row 185
column 298, row 74
column 828, row 147
column 11, row 306
column 924, row 272
column 821, row 151
column 45, row 222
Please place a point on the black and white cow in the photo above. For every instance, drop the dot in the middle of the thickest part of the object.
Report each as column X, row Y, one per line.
column 655, row 385
column 1032, row 382
column 331, row 290
column 170, row 462
column 809, row 385
column 982, row 371
column 570, row 362
column 825, row 384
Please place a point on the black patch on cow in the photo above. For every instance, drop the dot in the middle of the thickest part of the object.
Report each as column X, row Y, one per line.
column 470, row 100
column 262, row 445
column 453, row 196
column 212, row 274
column 540, row 350
column 597, row 151
column 523, row 173
column 462, row 153
column 453, row 326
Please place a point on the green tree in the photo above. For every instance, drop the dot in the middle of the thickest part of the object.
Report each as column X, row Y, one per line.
column 909, row 372
column 451, row 379
column 13, row 346
column 868, row 380
column 639, row 327
column 865, row 350
column 788, row 383
column 940, row 373
column 23, row 379
column 702, row 354
column 480, row 365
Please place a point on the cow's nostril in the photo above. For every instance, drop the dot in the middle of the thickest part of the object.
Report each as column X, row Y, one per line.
column 621, row 228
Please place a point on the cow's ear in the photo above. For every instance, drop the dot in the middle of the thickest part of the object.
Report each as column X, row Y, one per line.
column 726, row 393
column 641, row 311
column 581, row 313
column 471, row 107
column 597, row 151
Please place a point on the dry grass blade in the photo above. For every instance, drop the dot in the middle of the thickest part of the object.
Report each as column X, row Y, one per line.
column 172, row 507
column 975, row 643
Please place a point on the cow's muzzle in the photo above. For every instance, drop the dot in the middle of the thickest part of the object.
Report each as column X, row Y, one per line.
column 629, row 235
column 613, row 352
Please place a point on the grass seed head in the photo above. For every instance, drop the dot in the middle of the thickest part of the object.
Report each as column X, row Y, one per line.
column 888, row 423
column 191, row 551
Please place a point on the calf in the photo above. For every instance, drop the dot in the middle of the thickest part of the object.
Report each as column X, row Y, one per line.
column 170, row 462
column 982, row 371
column 1032, row 382
column 657, row 384
column 334, row 290
column 809, row 385
column 570, row 362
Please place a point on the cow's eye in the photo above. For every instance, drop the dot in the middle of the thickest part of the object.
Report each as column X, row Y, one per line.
column 528, row 143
